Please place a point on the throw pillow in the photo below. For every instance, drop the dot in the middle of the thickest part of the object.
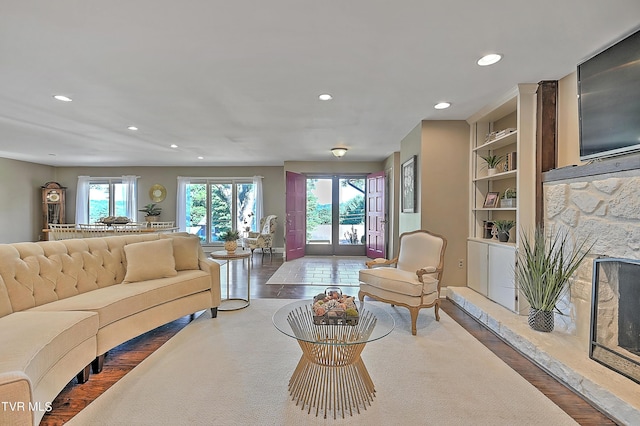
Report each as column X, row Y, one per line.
column 186, row 250
column 149, row 260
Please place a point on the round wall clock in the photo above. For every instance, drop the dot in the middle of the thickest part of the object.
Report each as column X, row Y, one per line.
column 157, row 193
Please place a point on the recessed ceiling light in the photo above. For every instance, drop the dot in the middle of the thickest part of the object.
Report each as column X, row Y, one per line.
column 442, row 105
column 325, row 97
column 62, row 98
column 173, row 145
column 489, row 59
column 200, row 157
column 132, row 128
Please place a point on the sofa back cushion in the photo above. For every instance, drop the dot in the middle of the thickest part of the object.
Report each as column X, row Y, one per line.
column 38, row 273
column 186, row 250
column 5, row 303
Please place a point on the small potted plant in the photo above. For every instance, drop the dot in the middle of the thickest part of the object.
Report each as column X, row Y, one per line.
column 503, row 227
column 230, row 239
column 492, row 163
column 509, row 198
column 152, row 212
column 544, row 267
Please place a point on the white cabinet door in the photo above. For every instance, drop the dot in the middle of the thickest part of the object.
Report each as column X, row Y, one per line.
column 477, row 257
column 502, row 288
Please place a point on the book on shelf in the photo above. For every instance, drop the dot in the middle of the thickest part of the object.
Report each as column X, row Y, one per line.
column 510, row 161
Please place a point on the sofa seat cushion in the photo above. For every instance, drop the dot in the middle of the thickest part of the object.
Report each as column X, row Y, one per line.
column 398, row 281
column 122, row 300
column 33, row 342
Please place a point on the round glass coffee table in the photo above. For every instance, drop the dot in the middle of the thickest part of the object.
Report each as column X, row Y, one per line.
column 330, row 375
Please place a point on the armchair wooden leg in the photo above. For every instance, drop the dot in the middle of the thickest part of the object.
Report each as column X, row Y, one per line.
column 437, row 309
column 414, row 319
column 214, row 312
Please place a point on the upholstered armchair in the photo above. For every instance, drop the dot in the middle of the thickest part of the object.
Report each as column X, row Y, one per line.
column 263, row 239
column 412, row 279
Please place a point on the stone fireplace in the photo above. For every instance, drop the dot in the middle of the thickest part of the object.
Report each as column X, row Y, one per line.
column 600, row 201
column 615, row 328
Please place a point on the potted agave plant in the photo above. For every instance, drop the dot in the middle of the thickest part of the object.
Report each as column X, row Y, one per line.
column 492, row 162
column 503, row 227
column 230, row 239
column 544, row 267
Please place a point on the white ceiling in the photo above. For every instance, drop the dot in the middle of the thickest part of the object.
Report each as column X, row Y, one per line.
column 237, row 82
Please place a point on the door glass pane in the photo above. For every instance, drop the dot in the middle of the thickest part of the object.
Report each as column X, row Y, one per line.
column 319, row 204
column 246, row 207
column 196, row 210
column 221, row 199
column 98, row 201
column 351, row 198
column 118, row 200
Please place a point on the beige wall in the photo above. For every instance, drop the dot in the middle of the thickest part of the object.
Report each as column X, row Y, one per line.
column 273, row 186
column 21, row 199
column 568, row 133
column 409, row 146
column 392, row 173
column 444, row 191
column 442, row 149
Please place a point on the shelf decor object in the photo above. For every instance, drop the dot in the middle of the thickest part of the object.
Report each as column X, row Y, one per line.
column 491, row 200
column 409, row 185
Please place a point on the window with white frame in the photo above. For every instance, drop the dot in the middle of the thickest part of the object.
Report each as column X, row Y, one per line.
column 216, row 205
column 98, row 197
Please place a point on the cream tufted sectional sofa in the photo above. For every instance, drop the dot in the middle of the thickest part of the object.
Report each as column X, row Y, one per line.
column 64, row 304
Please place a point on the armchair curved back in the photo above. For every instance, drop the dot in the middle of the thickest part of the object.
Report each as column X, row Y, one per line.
column 268, row 225
column 420, row 249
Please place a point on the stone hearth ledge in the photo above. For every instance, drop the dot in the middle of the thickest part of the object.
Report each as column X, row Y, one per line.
column 560, row 354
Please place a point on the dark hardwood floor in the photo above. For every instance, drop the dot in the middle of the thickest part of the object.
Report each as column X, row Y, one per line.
column 125, row 357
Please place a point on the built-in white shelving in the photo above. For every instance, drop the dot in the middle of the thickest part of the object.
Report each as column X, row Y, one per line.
column 491, row 262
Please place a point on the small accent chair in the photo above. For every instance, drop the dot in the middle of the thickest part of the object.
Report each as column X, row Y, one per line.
column 63, row 231
column 414, row 282
column 91, row 230
column 264, row 238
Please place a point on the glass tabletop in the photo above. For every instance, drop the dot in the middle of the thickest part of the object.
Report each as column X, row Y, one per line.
column 296, row 320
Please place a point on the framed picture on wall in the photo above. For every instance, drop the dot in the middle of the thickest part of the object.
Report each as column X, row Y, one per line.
column 409, row 185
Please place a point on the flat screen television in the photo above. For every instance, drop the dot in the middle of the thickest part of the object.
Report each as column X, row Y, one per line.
column 609, row 100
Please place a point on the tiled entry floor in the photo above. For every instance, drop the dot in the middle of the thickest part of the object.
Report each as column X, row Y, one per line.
column 340, row 271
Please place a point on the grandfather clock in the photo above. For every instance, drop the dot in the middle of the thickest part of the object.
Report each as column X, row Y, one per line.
column 52, row 204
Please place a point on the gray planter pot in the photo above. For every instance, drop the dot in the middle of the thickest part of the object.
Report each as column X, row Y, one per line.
column 541, row 320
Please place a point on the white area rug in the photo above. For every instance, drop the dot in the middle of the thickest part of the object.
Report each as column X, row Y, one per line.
column 234, row 370
column 325, row 271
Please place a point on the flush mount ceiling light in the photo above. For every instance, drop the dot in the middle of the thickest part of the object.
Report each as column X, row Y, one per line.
column 442, row 105
column 200, row 157
column 173, row 145
column 62, row 98
column 325, row 97
column 339, row 152
column 132, row 128
column 489, row 59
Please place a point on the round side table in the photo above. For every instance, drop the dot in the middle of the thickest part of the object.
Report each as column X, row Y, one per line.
column 234, row 303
